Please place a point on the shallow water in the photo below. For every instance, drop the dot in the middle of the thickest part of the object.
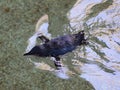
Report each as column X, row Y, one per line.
column 98, row 63
column 104, row 26
column 107, row 31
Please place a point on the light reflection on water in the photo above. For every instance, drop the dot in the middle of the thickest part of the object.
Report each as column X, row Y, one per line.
column 109, row 35
column 105, row 49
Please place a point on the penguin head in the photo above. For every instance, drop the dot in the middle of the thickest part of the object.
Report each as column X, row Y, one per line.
column 81, row 37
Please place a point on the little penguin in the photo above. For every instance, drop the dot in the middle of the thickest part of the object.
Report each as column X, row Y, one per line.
column 58, row 46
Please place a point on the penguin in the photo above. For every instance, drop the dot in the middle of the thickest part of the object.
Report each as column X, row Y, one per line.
column 58, row 46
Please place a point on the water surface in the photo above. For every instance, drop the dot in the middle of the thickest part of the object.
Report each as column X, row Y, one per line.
column 95, row 66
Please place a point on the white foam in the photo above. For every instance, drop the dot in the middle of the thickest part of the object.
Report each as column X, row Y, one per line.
column 62, row 73
column 99, row 79
column 31, row 42
column 112, row 54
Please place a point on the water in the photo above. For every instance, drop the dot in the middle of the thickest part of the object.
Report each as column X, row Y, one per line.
column 96, row 65
column 99, row 62
column 108, row 34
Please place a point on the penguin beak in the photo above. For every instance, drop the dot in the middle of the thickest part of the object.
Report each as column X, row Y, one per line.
column 25, row 54
column 28, row 53
column 34, row 51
